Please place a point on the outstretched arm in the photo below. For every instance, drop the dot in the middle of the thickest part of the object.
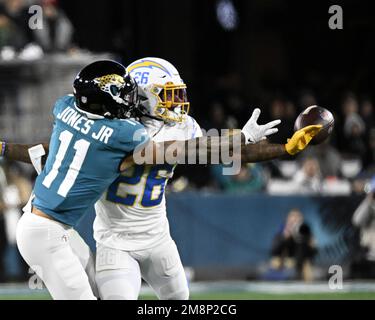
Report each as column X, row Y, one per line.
column 219, row 149
column 262, row 151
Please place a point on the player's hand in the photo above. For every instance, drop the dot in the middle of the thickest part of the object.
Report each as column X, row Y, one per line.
column 255, row 132
column 302, row 138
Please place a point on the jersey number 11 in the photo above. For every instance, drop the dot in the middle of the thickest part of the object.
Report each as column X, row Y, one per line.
column 81, row 146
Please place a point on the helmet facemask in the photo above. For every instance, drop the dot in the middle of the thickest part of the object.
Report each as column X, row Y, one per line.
column 162, row 92
column 129, row 94
column 172, row 103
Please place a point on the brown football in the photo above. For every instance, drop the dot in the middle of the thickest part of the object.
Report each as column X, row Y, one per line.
column 316, row 115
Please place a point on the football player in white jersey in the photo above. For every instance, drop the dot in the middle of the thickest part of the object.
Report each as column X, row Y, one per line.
column 131, row 227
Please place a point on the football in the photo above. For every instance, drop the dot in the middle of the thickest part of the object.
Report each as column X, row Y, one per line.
column 316, row 115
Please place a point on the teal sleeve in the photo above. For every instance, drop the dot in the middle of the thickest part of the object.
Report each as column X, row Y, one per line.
column 133, row 135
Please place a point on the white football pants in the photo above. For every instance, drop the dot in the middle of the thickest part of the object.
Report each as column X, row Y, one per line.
column 119, row 273
column 59, row 256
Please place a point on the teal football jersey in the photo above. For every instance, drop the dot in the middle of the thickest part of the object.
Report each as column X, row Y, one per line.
column 83, row 160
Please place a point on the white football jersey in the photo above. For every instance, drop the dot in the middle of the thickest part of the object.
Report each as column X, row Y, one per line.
column 131, row 214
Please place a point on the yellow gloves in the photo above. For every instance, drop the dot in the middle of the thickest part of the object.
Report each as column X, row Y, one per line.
column 301, row 139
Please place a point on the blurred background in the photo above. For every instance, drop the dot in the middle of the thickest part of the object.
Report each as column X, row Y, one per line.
column 278, row 221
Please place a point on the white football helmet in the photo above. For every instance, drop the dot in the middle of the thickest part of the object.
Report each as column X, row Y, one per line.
column 162, row 91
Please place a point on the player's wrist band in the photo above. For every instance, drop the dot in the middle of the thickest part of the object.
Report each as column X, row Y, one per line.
column 2, row 148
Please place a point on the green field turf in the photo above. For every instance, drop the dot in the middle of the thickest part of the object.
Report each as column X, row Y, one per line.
column 286, row 296
column 238, row 296
column 233, row 290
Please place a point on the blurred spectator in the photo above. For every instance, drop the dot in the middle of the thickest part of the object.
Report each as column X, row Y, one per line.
column 14, row 30
column 218, row 119
column 328, row 157
column 367, row 114
column 308, row 179
column 14, row 194
column 364, row 219
column 251, row 178
column 16, row 38
column 358, row 186
column 293, row 247
column 354, row 128
column 57, row 31
column 285, row 111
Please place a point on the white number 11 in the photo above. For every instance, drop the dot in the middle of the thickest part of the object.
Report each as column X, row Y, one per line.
column 81, row 146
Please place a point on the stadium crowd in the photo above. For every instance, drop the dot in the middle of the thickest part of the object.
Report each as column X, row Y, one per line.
column 343, row 165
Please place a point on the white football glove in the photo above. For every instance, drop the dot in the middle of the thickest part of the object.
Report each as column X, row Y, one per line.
column 254, row 132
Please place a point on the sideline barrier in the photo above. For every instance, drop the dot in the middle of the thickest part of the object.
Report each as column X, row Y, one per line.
column 222, row 230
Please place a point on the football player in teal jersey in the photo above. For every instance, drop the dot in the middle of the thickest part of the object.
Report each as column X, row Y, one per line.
column 253, row 152
column 91, row 136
